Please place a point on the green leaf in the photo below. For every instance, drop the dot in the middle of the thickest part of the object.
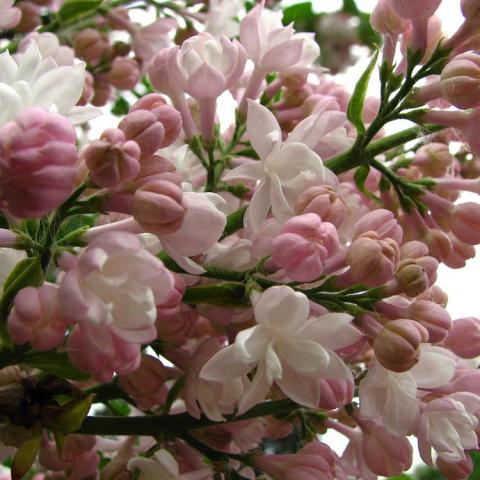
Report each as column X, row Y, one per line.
column 226, row 294
column 56, row 363
column 119, row 407
column 72, row 417
column 355, row 106
column 301, row 15
column 73, row 9
column 120, row 107
column 360, row 177
column 27, row 273
column 173, row 393
column 26, row 455
column 234, row 222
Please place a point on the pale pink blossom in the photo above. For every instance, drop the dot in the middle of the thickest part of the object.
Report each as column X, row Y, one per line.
column 287, row 346
column 148, row 40
column 448, row 425
column 214, row 399
column 270, row 45
column 97, row 350
column 35, row 81
column 146, row 384
column 281, row 181
column 312, row 462
column 304, row 243
column 116, row 284
column 163, row 466
column 202, row 227
column 49, row 46
column 36, row 318
column 392, row 396
column 38, row 157
column 10, row 15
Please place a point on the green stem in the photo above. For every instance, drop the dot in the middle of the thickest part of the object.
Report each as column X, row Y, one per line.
column 353, row 158
column 174, row 425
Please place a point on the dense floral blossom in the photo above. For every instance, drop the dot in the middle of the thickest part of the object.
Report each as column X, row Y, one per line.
column 243, row 255
column 287, row 346
column 37, row 81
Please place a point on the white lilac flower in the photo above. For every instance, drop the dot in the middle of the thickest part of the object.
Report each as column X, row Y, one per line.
column 287, row 347
column 39, row 82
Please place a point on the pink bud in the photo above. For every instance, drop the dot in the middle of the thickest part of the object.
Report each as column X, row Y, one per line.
column 434, row 159
column 90, row 44
column 30, row 18
column 8, row 238
column 460, row 81
column 412, row 278
column 146, row 385
column 304, row 243
column 325, row 202
column 385, row 453
column 438, row 243
column 461, row 252
column 314, row 461
column 384, row 19
column 10, row 16
column 433, row 317
column 470, row 9
column 335, row 393
column 158, row 71
column 88, row 92
column 464, row 337
column 143, row 127
column 397, row 345
column 413, row 9
column 112, row 161
column 413, row 249
column 102, row 90
column 382, row 222
column 372, row 261
column 435, row 294
column 176, row 325
column 98, row 351
column 169, row 117
column 37, row 163
column 465, row 222
column 159, row 207
column 124, row 73
column 457, row 470
column 36, row 318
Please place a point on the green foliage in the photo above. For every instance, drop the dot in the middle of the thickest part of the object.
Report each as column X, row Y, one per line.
column 360, row 177
column 120, row 107
column 26, row 455
column 73, row 9
column 56, row 363
column 355, row 106
column 27, row 273
column 301, row 15
column 72, row 417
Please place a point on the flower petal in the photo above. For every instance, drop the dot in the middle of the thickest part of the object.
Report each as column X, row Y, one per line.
column 435, row 368
column 252, row 343
column 258, row 207
column 224, row 365
column 282, row 309
column 61, row 88
column 247, row 171
column 304, row 356
column 333, row 331
column 256, row 391
column 263, row 129
column 302, row 389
